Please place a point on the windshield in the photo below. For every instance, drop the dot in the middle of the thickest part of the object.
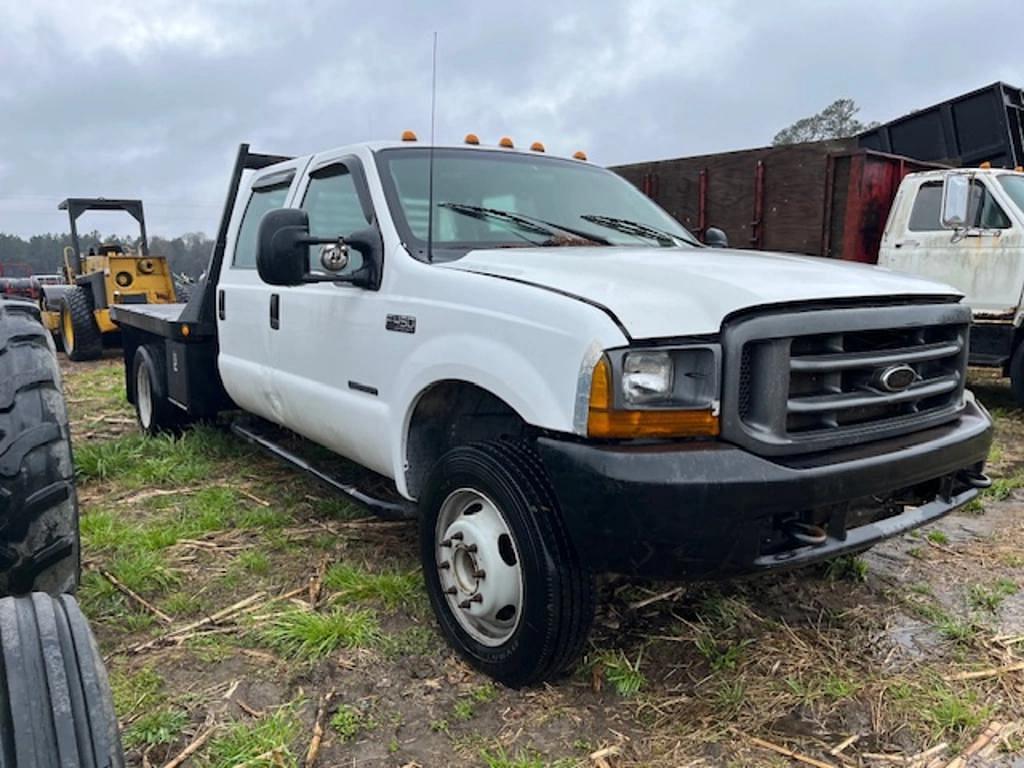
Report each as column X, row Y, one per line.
column 1014, row 186
column 485, row 199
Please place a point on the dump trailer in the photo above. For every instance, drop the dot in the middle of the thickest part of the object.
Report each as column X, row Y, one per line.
column 983, row 126
column 825, row 198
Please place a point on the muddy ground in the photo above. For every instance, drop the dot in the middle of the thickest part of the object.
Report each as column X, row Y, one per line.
column 243, row 607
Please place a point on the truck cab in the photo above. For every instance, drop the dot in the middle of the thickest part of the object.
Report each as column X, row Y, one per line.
column 558, row 380
column 980, row 254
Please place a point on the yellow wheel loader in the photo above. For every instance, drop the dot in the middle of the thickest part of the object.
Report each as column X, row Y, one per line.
column 111, row 273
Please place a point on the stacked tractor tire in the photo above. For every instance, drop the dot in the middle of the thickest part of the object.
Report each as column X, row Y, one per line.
column 55, row 702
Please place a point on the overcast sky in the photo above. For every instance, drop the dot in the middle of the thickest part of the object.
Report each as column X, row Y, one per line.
column 150, row 100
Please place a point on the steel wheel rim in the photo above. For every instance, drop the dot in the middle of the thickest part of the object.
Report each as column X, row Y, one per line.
column 479, row 567
column 144, row 396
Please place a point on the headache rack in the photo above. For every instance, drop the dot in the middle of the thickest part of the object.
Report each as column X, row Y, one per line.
column 805, row 381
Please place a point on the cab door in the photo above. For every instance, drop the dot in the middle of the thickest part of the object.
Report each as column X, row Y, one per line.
column 983, row 261
column 328, row 343
column 243, row 299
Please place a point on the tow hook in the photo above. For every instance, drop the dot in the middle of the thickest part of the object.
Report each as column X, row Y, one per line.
column 805, row 533
column 974, row 479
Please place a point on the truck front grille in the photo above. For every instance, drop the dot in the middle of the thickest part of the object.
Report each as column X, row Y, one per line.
column 809, row 381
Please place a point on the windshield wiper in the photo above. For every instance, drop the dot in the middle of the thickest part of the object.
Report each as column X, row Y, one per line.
column 524, row 222
column 628, row 227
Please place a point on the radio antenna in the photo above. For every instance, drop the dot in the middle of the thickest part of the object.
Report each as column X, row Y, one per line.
column 430, row 172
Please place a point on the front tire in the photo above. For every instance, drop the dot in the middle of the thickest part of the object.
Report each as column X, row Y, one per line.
column 79, row 334
column 1017, row 374
column 507, row 588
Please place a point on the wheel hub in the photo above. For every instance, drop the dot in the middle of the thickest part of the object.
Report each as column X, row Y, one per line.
column 478, row 566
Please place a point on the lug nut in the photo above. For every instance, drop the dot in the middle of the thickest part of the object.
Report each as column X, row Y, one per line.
column 454, row 537
column 471, row 548
column 444, row 566
column 474, row 599
column 451, row 591
column 479, row 574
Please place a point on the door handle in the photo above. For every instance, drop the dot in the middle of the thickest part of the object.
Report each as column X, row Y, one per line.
column 275, row 311
column 910, row 243
column 220, row 304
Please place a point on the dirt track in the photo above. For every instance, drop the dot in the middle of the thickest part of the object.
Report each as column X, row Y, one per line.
column 908, row 648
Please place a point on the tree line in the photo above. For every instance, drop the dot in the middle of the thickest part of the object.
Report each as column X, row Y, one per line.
column 43, row 254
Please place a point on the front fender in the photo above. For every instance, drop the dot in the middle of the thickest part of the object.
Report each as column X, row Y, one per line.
column 489, row 364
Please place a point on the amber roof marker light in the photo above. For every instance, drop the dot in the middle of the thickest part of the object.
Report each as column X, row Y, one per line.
column 579, row 154
column 472, row 139
column 506, row 142
column 537, row 147
column 409, row 136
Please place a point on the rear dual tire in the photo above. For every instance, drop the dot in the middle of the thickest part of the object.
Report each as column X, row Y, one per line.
column 154, row 412
column 508, row 590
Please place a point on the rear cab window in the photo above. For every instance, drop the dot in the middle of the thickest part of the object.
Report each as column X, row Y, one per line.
column 268, row 193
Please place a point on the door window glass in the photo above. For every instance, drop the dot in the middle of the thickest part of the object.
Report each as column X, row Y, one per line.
column 262, row 200
column 924, row 217
column 334, row 209
column 983, row 210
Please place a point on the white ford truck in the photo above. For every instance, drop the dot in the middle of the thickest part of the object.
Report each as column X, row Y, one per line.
column 965, row 226
column 558, row 380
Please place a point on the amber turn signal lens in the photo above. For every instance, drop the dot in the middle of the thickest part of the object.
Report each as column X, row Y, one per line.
column 606, row 422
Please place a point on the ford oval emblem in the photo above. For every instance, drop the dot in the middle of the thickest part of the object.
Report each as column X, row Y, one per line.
column 896, row 378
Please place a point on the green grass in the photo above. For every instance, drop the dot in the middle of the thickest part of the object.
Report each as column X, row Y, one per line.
column 156, row 727
column 393, row 589
column 255, row 562
column 953, row 713
column 348, row 722
column 721, row 656
column 244, row 742
column 1003, row 487
column 730, row 695
column 624, row 675
column 463, row 710
column 136, row 692
column 991, row 598
column 938, row 537
column 136, row 460
column 304, row 634
column 846, row 568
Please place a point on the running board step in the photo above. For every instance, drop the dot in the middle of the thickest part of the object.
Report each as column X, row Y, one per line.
column 394, row 508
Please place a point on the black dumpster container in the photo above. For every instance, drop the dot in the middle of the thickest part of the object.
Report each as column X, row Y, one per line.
column 986, row 125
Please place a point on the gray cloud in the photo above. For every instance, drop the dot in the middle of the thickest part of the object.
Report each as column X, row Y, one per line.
column 126, row 99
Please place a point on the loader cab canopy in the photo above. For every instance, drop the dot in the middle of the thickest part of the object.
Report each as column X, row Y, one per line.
column 76, row 206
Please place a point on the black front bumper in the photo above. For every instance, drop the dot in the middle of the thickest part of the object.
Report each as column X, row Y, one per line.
column 700, row 510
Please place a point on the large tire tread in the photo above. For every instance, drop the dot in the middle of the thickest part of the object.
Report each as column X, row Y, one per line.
column 39, row 546
column 88, row 343
column 55, row 702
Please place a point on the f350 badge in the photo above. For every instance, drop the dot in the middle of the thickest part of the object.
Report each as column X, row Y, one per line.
column 401, row 323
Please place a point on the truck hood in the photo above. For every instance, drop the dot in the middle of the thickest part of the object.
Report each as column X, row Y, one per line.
column 663, row 292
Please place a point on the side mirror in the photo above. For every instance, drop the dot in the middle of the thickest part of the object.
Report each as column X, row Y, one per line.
column 281, row 246
column 715, row 238
column 282, row 252
column 956, row 199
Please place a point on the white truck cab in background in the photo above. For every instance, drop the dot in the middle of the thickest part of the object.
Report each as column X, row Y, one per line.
column 965, row 227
